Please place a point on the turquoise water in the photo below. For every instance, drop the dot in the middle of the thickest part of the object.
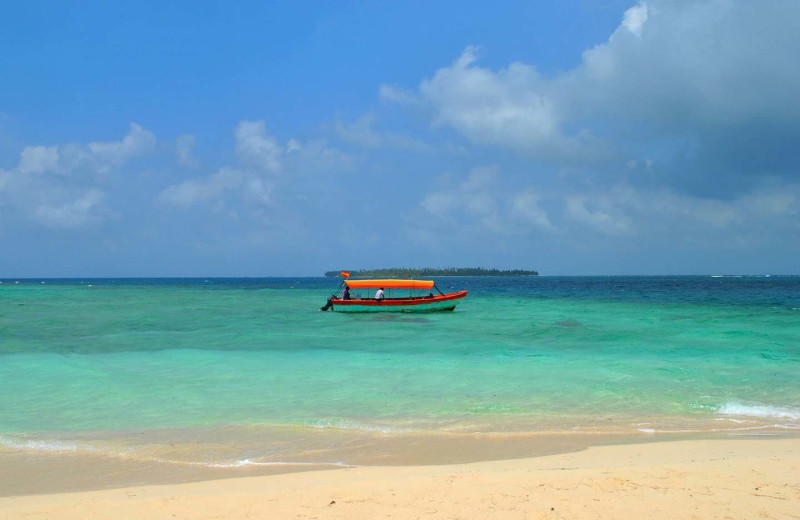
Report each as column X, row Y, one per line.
column 99, row 359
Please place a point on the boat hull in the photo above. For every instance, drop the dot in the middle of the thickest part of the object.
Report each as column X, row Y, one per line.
column 444, row 302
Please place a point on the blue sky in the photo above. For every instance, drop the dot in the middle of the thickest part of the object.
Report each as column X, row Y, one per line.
column 289, row 138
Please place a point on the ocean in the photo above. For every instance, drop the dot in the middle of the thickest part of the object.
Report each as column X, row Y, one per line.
column 215, row 375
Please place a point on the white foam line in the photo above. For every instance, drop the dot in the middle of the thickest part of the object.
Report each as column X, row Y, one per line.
column 248, row 462
column 68, row 447
column 722, row 430
column 348, row 426
column 758, row 410
column 43, row 445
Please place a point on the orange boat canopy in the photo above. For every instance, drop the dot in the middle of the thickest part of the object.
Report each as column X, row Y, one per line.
column 389, row 284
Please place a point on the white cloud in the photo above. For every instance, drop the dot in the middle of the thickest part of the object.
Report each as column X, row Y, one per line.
column 61, row 186
column 76, row 213
column 662, row 213
column 201, row 190
column 704, row 83
column 259, row 191
column 479, row 207
column 362, row 132
column 526, row 206
column 471, row 197
column 480, row 204
column 256, row 148
column 255, row 181
column 315, row 156
column 634, row 19
column 293, row 146
column 398, row 95
column 510, row 108
column 94, row 157
column 109, row 155
column 184, row 145
column 686, row 64
column 38, row 159
column 596, row 212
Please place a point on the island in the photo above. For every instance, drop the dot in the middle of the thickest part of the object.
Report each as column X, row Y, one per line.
column 402, row 272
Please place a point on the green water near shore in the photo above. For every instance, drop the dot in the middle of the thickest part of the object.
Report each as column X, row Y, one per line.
column 81, row 358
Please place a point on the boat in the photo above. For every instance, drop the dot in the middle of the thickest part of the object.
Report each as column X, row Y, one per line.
column 400, row 295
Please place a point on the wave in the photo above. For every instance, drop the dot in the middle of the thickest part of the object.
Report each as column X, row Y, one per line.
column 58, row 446
column 52, row 446
column 759, row 410
column 343, row 424
column 248, row 462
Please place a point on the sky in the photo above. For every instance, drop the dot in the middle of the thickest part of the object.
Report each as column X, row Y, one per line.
column 573, row 137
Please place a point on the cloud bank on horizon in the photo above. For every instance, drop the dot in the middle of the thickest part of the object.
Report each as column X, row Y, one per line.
column 670, row 146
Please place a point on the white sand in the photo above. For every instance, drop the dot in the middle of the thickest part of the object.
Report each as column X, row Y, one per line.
column 740, row 479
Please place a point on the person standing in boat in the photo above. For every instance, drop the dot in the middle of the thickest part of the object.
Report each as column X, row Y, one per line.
column 346, row 294
column 379, row 295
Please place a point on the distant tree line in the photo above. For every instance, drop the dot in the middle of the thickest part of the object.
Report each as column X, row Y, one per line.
column 397, row 272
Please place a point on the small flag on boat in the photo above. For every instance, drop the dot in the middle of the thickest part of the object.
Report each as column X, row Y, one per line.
column 344, row 274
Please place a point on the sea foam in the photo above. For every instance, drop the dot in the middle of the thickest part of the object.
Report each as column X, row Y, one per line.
column 248, row 462
column 53, row 446
column 759, row 410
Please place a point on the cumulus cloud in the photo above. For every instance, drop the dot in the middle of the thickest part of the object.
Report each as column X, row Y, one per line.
column 263, row 161
column 470, row 198
column 94, row 157
column 525, row 206
column 596, row 212
column 480, row 203
column 509, row 108
column 706, row 89
column 112, row 154
column 87, row 207
column 61, row 186
column 184, row 146
column 257, row 148
column 397, row 94
column 684, row 64
column 38, row 159
column 200, row 190
column 661, row 213
column 633, row 20
column 480, row 206
column 362, row 132
column 261, row 156
column 315, row 156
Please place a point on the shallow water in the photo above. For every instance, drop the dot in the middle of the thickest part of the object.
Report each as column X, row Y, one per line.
column 246, row 371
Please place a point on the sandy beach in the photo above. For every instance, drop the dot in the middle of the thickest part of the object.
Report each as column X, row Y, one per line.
column 745, row 479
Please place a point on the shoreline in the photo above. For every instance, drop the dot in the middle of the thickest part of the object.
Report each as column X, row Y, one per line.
column 708, row 478
column 92, row 462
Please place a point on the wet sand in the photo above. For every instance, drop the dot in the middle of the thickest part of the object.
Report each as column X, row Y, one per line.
column 714, row 478
column 93, row 462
